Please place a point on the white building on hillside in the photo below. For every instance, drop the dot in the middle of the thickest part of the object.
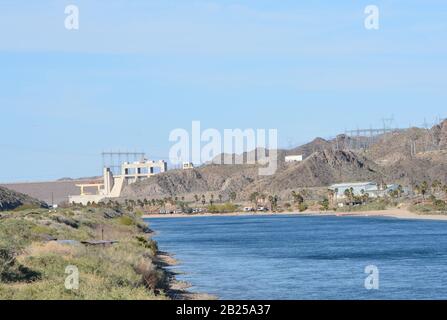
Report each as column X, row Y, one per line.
column 187, row 165
column 294, row 158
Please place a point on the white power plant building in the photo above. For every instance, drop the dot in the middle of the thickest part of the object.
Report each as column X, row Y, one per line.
column 112, row 185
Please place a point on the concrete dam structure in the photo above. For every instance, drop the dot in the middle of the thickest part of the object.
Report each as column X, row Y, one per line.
column 112, row 185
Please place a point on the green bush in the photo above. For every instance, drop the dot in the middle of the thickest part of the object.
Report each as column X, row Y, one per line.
column 12, row 271
column 126, row 221
column 324, row 204
column 148, row 244
column 24, row 207
column 373, row 205
column 222, row 208
column 440, row 205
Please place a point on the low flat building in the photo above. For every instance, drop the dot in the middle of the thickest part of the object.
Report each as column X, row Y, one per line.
column 188, row 165
column 294, row 158
column 373, row 189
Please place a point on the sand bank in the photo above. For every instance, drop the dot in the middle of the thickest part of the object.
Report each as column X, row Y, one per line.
column 392, row 213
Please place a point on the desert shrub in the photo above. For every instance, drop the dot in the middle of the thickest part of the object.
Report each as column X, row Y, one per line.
column 126, row 221
column 67, row 221
column 12, row 271
column 153, row 278
column 143, row 227
column 40, row 229
column 139, row 213
column 16, row 232
column 34, row 269
column 436, row 207
column 324, row 204
column 112, row 213
column 302, row 207
column 374, row 205
column 440, row 205
column 88, row 223
column 148, row 244
column 222, row 208
column 27, row 206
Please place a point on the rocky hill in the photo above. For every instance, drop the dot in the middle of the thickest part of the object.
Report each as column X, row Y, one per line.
column 407, row 157
column 9, row 200
column 320, row 169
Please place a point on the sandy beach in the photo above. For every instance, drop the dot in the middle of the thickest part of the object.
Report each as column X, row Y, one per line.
column 391, row 213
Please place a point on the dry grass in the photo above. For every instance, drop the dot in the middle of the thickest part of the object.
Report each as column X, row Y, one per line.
column 35, row 268
column 52, row 247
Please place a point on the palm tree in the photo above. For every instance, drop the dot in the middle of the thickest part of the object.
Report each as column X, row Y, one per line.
column 271, row 203
column 331, row 195
column 417, row 189
column 196, row 197
column 349, row 194
column 263, row 197
column 424, row 189
column 436, row 186
column 400, row 191
column 254, row 199
column 220, row 198
column 203, row 199
column 297, row 198
column 293, row 193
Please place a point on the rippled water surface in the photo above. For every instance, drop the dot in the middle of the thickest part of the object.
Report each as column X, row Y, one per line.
column 307, row 257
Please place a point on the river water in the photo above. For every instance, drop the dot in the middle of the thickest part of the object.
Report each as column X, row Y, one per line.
column 308, row 257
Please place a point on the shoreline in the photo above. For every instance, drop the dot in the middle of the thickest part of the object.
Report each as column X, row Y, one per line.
column 178, row 290
column 390, row 213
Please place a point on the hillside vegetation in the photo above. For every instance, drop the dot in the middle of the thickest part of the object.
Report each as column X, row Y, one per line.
column 10, row 200
column 37, row 246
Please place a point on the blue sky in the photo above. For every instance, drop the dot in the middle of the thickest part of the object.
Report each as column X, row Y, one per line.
column 135, row 70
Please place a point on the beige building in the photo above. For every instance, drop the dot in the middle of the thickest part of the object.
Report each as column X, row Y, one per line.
column 112, row 185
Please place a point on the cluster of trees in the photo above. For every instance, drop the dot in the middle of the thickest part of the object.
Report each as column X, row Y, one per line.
column 298, row 200
column 257, row 197
column 131, row 204
column 397, row 193
column 435, row 187
column 352, row 198
column 202, row 199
